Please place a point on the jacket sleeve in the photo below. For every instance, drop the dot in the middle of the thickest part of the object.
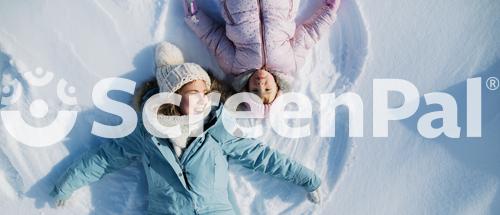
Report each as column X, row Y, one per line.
column 213, row 35
column 93, row 165
column 309, row 33
column 252, row 154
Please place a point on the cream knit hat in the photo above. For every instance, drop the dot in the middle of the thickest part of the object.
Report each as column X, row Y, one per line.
column 172, row 72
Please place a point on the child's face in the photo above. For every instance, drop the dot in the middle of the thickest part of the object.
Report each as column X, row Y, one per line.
column 194, row 99
column 264, row 85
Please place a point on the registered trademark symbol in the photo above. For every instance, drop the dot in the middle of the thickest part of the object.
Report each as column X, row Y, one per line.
column 492, row 83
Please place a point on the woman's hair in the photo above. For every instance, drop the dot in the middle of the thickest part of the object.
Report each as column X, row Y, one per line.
column 171, row 109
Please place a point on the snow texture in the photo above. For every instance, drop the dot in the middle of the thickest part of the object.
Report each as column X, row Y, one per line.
column 436, row 45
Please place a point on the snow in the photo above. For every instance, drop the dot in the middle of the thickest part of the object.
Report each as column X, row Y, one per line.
column 436, row 45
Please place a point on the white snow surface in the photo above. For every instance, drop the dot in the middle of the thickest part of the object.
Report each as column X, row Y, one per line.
column 436, row 45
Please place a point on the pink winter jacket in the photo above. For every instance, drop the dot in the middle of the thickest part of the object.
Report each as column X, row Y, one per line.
column 261, row 34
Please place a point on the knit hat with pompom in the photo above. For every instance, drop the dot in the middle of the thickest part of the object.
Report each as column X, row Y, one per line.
column 172, row 72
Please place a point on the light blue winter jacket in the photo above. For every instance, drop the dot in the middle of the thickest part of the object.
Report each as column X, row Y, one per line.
column 197, row 183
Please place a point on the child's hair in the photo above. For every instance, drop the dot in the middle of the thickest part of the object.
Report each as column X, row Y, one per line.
column 171, row 109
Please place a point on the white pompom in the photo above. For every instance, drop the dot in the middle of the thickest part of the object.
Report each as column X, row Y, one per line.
column 168, row 54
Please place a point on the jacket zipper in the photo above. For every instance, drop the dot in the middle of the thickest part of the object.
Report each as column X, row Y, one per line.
column 184, row 175
column 185, row 179
column 262, row 29
column 229, row 16
column 291, row 9
column 182, row 167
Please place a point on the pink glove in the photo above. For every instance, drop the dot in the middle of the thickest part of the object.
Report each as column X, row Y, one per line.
column 190, row 7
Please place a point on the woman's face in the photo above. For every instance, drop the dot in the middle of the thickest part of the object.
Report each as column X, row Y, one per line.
column 264, row 85
column 194, row 99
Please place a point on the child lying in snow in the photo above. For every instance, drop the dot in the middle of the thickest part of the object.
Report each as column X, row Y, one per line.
column 185, row 175
column 260, row 43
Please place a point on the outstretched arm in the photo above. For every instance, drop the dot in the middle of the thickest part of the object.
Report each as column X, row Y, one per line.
column 309, row 32
column 212, row 34
column 110, row 156
column 253, row 155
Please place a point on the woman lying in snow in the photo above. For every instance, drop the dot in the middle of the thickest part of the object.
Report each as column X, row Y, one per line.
column 260, row 44
column 185, row 175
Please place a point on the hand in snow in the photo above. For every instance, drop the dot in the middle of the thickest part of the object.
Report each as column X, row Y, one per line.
column 333, row 4
column 59, row 200
column 314, row 196
column 60, row 203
